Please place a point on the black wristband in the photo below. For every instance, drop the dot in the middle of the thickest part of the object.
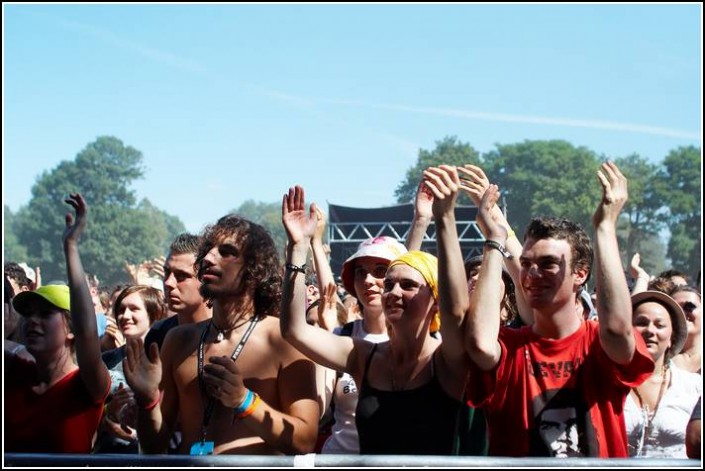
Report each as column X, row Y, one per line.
column 493, row 244
column 292, row 267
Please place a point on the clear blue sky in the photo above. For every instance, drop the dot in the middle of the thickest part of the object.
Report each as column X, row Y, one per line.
column 235, row 102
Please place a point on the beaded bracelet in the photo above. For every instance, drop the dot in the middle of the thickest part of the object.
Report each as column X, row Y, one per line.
column 292, row 267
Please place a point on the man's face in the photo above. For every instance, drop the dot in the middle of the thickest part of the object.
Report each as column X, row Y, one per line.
column 181, row 286
column 222, row 269
column 559, row 429
column 546, row 276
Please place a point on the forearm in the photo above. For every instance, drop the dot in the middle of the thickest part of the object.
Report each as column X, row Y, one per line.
column 482, row 324
column 320, row 261
column 292, row 318
column 417, row 232
column 286, row 433
column 82, row 312
column 453, row 299
column 613, row 299
column 153, row 435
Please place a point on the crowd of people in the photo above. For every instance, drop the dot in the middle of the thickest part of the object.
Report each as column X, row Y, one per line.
column 223, row 347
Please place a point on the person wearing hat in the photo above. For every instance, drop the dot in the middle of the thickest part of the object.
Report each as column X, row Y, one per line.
column 656, row 413
column 55, row 404
column 690, row 300
column 362, row 276
column 411, row 386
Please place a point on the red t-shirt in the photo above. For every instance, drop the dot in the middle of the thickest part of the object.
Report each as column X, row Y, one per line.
column 557, row 397
column 62, row 420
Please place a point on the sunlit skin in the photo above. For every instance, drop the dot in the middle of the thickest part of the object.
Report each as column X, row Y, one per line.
column 368, row 277
column 132, row 316
column 223, row 269
column 45, row 329
column 181, row 286
column 546, row 276
column 652, row 322
column 406, row 295
column 692, row 307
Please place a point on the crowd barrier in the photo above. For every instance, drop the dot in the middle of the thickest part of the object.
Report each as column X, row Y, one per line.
column 331, row 461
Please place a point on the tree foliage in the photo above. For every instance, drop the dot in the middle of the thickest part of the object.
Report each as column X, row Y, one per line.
column 545, row 178
column 679, row 186
column 448, row 151
column 13, row 251
column 118, row 231
column 269, row 216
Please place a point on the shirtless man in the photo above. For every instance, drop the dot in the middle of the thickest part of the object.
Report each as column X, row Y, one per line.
column 264, row 401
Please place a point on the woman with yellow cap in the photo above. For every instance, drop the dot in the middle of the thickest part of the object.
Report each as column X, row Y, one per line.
column 55, row 404
column 410, row 386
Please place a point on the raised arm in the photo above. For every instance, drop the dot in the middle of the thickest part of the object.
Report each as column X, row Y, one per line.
column 423, row 215
column 319, row 345
column 324, row 274
column 482, row 324
column 613, row 301
column 453, row 300
column 641, row 277
column 93, row 371
column 474, row 182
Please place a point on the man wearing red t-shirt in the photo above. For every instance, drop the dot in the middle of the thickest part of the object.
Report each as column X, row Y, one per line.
column 557, row 387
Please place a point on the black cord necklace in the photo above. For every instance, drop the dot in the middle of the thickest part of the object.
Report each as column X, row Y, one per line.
column 223, row 332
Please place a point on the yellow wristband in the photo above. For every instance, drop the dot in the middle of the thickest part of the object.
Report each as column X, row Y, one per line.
column 510, row 233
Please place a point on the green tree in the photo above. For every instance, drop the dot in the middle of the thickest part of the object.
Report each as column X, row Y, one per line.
column 679, row 185
column 269, row 216
column 545, row 178
column 640, row 214
column 118, row 231
column 13, row 251
column 448, row 151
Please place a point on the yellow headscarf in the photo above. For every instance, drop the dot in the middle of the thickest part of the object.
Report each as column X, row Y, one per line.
column 427, row 265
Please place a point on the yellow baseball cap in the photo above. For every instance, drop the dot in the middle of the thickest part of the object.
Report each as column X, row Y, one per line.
column 57, row 295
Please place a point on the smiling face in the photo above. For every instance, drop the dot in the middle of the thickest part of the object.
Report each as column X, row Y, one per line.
column 546, row 275
column 132, row 316
column 652, row 321
column 406, row 295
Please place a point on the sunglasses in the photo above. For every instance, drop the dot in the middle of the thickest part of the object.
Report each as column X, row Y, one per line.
column 689, row 307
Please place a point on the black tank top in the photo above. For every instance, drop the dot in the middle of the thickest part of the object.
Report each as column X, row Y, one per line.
column 419, row 421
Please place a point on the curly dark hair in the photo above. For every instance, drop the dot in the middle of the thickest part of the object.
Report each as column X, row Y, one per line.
column 564, row 229
column 261, row 268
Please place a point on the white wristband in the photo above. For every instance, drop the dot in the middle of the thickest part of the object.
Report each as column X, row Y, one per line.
column 17, row 349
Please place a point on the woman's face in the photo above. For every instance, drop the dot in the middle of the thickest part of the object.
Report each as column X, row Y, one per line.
column 45, row 328
column 132, row 316
column 692, row 307
column 369, row 282
column 406, row 294
column 652, row 321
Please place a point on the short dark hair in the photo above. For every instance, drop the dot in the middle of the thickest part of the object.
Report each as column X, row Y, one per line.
column 153, row 301
column 185, row 243
column 673, row 272
column 261, row 268
column 564, row 229
column 15, row 272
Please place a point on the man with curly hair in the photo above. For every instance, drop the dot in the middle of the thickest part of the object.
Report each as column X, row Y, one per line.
column 234, row 383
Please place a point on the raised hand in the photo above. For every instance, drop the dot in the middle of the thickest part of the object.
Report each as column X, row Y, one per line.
column 473, row 181
column 320, row 225
column 300, row 224
column 75, row 226
column 614, row 194
column 423, row 203
column 444, row 183
column 486, row 216
column 142, row 372
column 113, row 337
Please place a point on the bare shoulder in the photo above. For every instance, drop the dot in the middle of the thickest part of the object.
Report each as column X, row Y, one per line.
column 183, row 336
column 277, row 346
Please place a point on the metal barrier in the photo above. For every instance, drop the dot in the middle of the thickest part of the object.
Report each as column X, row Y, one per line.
column 331, row 461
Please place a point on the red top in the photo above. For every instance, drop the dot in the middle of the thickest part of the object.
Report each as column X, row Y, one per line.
column 557, row 397
column 62, row 420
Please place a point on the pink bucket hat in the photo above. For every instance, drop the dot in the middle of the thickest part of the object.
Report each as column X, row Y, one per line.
column 383, row 247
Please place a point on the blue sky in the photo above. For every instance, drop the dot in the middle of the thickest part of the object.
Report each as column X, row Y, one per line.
column 235, row 102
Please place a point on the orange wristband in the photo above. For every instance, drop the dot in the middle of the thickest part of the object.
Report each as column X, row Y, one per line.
column 251, row 408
